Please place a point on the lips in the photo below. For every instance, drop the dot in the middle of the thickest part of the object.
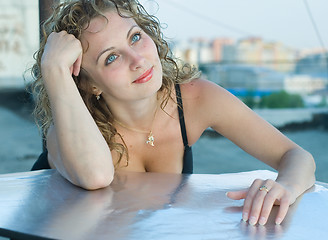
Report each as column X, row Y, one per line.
column 145, row 77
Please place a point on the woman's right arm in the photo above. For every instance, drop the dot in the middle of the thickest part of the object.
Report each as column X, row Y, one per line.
column 76, row 147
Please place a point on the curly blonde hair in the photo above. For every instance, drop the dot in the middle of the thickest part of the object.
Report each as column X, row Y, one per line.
column 74, row 17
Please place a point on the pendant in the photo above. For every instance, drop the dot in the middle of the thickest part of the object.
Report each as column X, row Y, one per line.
column 151, row 139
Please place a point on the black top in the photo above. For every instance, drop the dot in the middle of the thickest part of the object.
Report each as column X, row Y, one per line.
column 42, row 162
column 187, row 157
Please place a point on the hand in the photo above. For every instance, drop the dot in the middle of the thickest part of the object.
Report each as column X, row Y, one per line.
column 258, row 203
column 62, row 50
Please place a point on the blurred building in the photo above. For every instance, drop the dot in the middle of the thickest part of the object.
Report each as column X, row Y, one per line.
column 252, row 64
column 193, row 51
column 255, row 51
column 19, row 39
column 304, row 84
column 248, row 51
column 263, row 80
column 314, row 64
column 200, row 50
column 218, row 45
column 241, row 79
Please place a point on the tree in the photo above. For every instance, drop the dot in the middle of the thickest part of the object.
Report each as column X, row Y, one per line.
column 281, row 99
column 249, row 99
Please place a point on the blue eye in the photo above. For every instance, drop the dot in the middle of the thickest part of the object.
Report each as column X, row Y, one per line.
column 111, row 58
column 136, row 37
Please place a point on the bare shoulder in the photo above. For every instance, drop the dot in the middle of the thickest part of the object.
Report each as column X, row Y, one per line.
column 203, row 96
column 198, row 86
column 205, row 104
column 203, row 91
column 209, row 105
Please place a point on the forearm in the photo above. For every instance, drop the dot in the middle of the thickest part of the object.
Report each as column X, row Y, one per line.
column 84, row 157
column 296, row 171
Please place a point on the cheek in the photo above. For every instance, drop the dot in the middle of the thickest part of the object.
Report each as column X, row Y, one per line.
column 150, row 46
column 114, row 77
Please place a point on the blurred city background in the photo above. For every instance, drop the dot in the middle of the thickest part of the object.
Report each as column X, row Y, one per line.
column 270, row 54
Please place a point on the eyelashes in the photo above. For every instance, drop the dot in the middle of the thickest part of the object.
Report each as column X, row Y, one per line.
column 136, row 37
column 111, row 58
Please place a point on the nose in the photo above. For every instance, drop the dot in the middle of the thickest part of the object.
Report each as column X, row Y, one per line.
column 136, row 60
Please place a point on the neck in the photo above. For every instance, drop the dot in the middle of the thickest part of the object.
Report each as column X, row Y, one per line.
column 138, row 114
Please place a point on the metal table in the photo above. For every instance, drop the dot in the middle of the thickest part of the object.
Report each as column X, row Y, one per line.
column 43, row 205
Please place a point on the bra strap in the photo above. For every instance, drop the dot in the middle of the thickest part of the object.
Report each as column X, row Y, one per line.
column 181, row 117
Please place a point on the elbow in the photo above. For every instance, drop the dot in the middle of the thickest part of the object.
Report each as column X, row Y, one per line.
column 307, row 157
column 313, row 166
column 311, row 161
column 96, row 181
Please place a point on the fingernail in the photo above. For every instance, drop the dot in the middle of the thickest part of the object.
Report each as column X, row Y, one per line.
column 278, row 221
column 252, row 220
column 245, row 216
column 262, row 221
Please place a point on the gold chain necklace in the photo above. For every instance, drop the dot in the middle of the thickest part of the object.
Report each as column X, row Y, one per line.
column 150, row 138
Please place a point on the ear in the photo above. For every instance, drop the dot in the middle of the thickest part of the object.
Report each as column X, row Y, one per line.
column 96, row 91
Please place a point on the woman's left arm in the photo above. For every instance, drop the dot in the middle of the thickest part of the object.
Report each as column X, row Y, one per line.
column 230, row 117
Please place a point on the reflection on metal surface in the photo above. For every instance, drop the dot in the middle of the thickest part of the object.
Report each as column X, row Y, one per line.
column 148, row 206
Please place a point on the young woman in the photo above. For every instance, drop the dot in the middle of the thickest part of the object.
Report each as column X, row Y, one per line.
column 110, row 97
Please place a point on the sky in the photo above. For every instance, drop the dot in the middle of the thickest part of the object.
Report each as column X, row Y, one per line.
column 286, row 21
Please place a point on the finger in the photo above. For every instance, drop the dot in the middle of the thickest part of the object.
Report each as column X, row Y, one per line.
column 237, row 195
column 268, row 203
column 77, row 65
column 283, row 209
column 258, row 201
column 71, row 69
column 252, row 191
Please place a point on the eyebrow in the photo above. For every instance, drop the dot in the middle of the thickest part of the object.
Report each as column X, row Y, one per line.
column 111, row 48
